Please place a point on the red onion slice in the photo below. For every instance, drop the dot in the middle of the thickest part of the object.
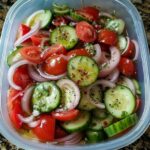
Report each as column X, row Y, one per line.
column 105, row 14
column 48, row 76
column 67, row 138
column 112, row 63
column 136, row 50
column 33, row 31
column 35, row 75
column 34, row 124
column 97, row 57
column 12, row 70
column 104, row 83
column 26, row 119
column 25, row 102
column 113, row 77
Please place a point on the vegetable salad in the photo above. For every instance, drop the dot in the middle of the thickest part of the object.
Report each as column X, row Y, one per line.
column 72, row 76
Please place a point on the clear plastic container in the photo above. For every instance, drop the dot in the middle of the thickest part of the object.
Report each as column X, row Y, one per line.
column 124, row 9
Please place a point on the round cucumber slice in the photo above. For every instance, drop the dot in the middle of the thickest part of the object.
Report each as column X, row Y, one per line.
column 44, row 16
column 60, row 7
column 121, row 125
column 46, row 97
column 78, row 124
column 65, row 35
column 100, row 113
column 122, row 43
column 119, row 101
column 116, row 25
column 83, row 70
column 61, row 12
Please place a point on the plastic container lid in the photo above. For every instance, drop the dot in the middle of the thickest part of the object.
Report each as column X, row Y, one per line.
column 124, row 9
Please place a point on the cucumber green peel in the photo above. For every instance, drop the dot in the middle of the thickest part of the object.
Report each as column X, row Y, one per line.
column 121, row 125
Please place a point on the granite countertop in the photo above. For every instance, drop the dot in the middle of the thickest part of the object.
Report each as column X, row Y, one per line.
column 144, row 8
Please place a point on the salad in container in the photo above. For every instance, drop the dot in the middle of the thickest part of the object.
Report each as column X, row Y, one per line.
column 73, row 77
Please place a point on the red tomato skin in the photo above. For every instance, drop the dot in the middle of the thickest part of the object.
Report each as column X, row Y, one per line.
column 21, row 76
column 14, row 108
column 55, row 65
column 24, row 29
column 60, row 133
column 138, row 104
column 86, row 32
column 130, row 52
column 66, row 116
column 54, row 49
column 77, row 52
column 127, row 67
column 32, row 54
column 107, row 37
column 45, row 131
column 38, row 38
column 58, row 21
column 91, row 13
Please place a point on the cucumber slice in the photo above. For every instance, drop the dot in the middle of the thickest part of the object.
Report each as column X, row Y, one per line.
column 83, row 70
column 85, row 103
column 78, row 124
column 46, row 97
column 116, row 25
column 14, row 56
column 77, row 17
column 60, row 12
column 119, row 101
column 97, row 124
column 94, row 136
column 100, row 113
column 58, row 6
column 137, row 86
column 70, row 94
column 122, row 43
column 65, row 35
column 44, row 16
column 121, row 125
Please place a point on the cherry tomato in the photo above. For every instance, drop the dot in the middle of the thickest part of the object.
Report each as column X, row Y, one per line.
column 127, row 67
column 45, row 131
column 77, row 52
column 138, row 104
column 107, row 37
column 130, row 52
column 14, row 108
column 86, row 32
column 32, row 54
column 91, row 13
column 21, row 76
column 66, row 116
column 38, row 38
column 54, row 49
column 58, row 21
column 24, row 29
column 55, row 65
column 59, row 132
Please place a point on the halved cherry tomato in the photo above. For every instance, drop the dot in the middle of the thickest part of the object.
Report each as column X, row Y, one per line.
column 60, row 133
column 86, row 32
column 66, row 116
column 130, row 52
column 32, row 54
column 54, row 49
column 107, row 37
column 78, row 52
column 45, row 131
column 91, row 13
column 58, row 21
column 21, row 76
column 127, row 67
column 24, row 29
column 55, row 65
column 38, row 38
column 14, row 108
column 138, row 104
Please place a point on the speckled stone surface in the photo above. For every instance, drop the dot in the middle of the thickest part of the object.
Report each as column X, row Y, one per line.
column 144, row 8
